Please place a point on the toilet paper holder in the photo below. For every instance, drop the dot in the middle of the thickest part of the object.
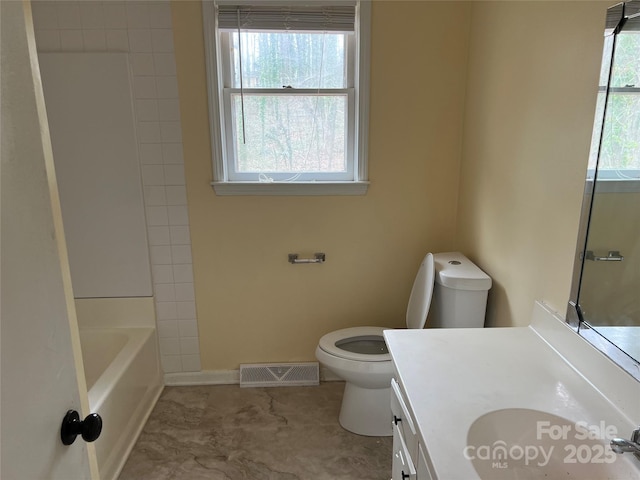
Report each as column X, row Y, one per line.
column 317, row 258
column 612, row 256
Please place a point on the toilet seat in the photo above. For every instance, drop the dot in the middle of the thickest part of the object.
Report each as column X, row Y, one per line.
column 419, row 302
column 329, row 342
column 421, row 293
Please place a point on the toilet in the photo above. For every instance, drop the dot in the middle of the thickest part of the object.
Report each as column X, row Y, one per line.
column 360, row 357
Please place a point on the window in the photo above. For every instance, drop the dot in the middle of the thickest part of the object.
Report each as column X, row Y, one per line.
column 618, row 127
column 288, row 96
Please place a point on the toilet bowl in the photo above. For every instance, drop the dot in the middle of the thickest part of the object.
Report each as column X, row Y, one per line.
column 359, row 355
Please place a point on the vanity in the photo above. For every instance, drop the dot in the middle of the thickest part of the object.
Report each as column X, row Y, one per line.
column 509, row 403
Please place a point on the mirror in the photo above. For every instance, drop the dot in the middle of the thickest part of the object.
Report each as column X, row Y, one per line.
column 605, row 296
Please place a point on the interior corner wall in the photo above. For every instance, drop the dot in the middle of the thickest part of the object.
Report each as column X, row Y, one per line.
column 253, row 306
column 531, row 91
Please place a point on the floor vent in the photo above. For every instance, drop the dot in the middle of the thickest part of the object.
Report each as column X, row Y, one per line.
column 279, row 374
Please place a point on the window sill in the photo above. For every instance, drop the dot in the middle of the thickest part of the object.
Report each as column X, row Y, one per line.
column 285, row 189
column 611, row 185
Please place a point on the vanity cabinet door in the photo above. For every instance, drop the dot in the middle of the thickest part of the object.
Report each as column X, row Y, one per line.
column 403, row 419
column 422, row 468
column 402, row 467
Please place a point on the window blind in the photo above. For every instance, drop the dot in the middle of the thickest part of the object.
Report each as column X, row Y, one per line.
column 328, row 18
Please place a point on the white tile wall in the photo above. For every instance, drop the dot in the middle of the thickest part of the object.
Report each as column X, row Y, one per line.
column 144, row 30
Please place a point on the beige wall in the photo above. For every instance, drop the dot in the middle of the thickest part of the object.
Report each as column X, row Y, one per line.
column 532, row 78
column 252, row 305
column 520, row 77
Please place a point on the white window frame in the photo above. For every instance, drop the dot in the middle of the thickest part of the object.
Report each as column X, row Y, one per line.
column 224, row 182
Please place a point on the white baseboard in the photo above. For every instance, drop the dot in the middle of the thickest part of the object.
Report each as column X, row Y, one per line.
column 205, row 377
column 223, row 377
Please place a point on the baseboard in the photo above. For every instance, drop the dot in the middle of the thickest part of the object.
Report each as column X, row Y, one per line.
column 223, row 377
column 205, row 377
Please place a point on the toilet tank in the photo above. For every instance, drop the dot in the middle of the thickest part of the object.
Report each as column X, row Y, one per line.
column 459, row 294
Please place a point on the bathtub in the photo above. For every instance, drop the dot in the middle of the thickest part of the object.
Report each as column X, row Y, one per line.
column 124, row 381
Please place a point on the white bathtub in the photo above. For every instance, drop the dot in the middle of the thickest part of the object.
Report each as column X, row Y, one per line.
column 124, row 381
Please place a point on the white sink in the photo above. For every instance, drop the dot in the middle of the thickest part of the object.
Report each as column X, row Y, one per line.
column 519, row 443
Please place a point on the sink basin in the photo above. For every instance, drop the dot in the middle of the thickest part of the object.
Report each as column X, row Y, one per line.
column 525, row 444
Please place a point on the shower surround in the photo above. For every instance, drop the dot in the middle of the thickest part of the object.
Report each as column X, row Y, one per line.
column 143, row 30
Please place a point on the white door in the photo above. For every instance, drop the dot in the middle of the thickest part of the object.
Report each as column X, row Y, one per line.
column 40, row 358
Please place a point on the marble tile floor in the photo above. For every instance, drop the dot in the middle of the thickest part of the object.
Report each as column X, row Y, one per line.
column 224, row 432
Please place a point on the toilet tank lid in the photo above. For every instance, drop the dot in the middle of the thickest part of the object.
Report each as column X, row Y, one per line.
column 456, row 271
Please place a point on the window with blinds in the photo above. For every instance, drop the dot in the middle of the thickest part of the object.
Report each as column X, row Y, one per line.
column 288, row 96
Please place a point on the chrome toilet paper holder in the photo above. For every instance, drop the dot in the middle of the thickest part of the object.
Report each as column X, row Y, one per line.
column 318, row 257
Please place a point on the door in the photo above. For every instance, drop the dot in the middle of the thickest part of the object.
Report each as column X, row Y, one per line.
column 40, row 357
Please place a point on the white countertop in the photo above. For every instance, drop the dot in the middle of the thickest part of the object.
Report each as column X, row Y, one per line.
column 627, row 338
column 451, row 377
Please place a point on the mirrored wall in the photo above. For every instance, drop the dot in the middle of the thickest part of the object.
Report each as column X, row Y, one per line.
column 605, row 301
